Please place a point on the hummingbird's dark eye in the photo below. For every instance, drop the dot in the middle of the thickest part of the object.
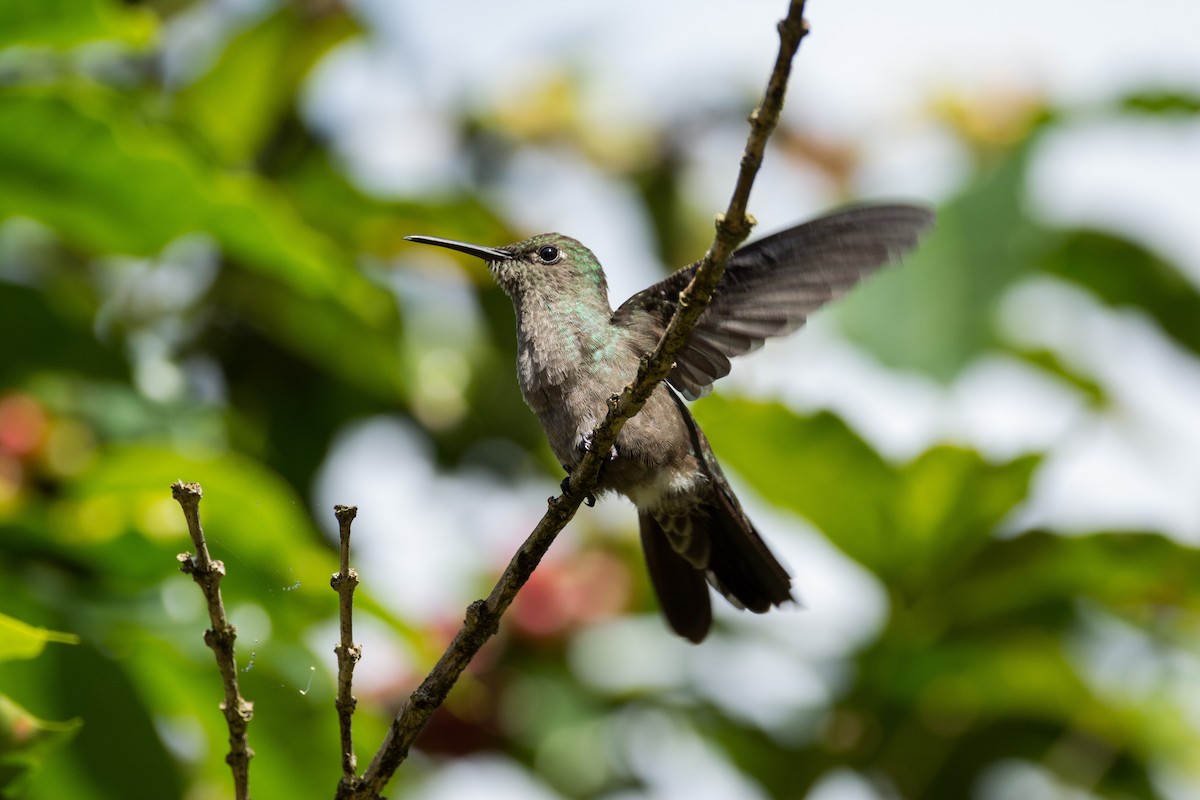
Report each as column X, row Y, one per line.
column 548, row 254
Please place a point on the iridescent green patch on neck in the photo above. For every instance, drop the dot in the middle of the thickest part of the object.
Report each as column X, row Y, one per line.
column 604, row 345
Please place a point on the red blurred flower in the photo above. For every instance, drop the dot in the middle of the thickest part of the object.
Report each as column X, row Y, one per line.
column 22, row 424
column 560, row 596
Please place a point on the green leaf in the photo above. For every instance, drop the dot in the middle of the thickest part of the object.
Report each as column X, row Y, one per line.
column 378, row 226
column 933, row 312
column 949, row 502
column 1015, row 676
column 66, row 157
column 67, row 23
column 19, row 640
column 249, row 515
column 318, row 331
column 239, row 103
column 1161, row 102
column 121, row 518
column 1126, row 275
column 1050, row 363
column 907, row 523
column 1023, row 672
column 813, row 465
column 98, row 687
column 25, row 741
column 55, row 335
column 1134, row 574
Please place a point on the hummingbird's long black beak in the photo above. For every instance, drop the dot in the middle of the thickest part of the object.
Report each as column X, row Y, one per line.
column 477, row 250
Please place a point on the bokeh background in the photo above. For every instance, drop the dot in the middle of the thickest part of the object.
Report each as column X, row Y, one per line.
column 983, row 468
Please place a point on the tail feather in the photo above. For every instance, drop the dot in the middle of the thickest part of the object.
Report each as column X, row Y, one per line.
column 741, row 566
column 682, row 593
column 708, row 539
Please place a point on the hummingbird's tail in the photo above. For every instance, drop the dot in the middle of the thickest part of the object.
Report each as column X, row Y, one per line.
column 680, row 587
column 722, row 549
column 708, row 540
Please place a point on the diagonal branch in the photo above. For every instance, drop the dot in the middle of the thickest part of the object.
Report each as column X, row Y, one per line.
column 483, row 616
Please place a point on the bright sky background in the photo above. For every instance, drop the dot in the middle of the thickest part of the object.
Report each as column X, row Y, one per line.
column 865, row 74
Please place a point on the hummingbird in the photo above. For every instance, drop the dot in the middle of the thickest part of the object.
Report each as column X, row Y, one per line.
column 574, row 352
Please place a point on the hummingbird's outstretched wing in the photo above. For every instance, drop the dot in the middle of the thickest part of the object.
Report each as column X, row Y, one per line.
column 772, row 285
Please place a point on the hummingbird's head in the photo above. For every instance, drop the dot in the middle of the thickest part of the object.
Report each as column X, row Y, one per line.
column 548, row 263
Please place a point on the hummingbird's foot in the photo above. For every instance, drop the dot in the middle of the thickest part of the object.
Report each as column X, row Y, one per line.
column 584, row 445
column 565, row 486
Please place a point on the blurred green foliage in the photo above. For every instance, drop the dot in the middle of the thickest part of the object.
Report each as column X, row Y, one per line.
column 154, row 233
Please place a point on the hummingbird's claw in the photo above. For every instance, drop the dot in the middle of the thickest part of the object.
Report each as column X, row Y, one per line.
column 565, row 486
column 585, row 445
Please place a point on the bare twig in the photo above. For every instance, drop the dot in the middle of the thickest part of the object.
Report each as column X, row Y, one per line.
column 483, row 616
column 220, row 637
column 348, row 653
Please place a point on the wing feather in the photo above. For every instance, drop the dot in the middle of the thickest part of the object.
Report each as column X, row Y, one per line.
column 771, row 286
